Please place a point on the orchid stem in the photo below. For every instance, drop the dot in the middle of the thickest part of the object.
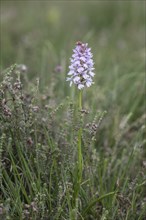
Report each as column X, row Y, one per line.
column 80, row 159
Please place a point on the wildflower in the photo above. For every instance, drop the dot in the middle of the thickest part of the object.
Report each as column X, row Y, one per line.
column 58, row 69
column 81, row 68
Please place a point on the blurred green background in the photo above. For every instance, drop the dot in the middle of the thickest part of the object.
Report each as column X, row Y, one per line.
column 42, row 34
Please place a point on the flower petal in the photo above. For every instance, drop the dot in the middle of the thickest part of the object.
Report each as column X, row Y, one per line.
column 70, row 73
column 85, row 76
column 83, row 59
column 88, row 83
column 91, row 74
column 76, row 79
column 80, row 86
column 80, row 69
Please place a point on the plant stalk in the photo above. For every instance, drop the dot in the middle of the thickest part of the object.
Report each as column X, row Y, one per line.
column 80, row 159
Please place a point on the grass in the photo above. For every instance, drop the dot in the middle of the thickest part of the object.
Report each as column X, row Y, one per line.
column 40, row 120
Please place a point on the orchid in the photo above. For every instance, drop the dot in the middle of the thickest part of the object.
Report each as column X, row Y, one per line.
column 81, row 68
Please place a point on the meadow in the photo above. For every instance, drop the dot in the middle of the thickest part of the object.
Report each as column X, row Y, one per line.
column 40, row 119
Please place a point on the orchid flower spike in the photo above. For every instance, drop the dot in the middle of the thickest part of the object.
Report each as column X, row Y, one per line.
column 81, row 68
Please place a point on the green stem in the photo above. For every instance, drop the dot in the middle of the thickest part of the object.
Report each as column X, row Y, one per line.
column 79, row 165
column 80, row 159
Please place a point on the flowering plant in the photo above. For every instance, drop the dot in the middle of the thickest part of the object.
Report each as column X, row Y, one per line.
column 80, row 74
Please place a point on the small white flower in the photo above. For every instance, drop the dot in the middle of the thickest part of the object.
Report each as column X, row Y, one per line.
column 80, row 86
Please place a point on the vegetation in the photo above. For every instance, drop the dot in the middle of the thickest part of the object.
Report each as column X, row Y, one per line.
column 40, row 119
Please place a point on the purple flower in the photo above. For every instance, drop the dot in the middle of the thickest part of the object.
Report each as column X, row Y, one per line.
column 58, row 69
column 81, row 68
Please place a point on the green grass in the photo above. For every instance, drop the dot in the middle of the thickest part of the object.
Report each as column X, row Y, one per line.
column 39, row 117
